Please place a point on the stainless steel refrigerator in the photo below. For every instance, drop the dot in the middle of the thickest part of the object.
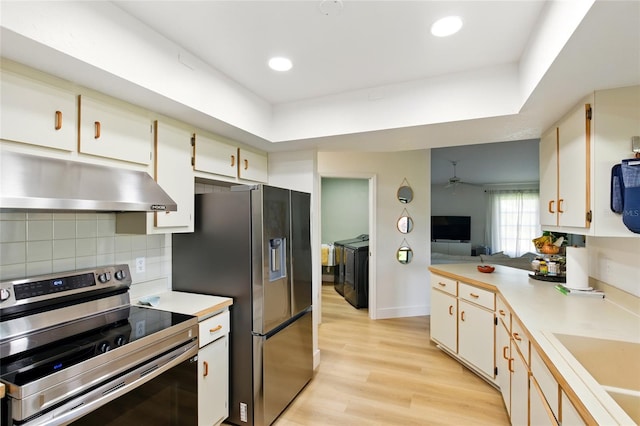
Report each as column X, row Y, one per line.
column 253, row 244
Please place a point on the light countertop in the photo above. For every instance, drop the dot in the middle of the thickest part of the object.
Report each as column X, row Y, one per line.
column 544, row 312
column 200, row 305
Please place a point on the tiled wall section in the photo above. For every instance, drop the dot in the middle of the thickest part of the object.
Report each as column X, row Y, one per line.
column 42, row 243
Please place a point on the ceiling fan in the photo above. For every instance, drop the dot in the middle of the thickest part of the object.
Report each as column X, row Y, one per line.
column 454, row 181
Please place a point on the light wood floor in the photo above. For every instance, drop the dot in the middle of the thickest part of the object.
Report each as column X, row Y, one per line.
column 387, row 372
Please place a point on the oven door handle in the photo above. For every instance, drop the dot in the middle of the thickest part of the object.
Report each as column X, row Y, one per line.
column 112, row 389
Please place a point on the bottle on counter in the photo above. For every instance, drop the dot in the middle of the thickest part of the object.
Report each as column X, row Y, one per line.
column 543, row 267
column 535, row 265
column 553, row 268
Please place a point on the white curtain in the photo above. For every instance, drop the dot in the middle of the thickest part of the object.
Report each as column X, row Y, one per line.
column 512, row 221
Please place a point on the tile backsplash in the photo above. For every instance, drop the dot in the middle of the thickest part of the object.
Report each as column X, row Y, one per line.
column 42, row 243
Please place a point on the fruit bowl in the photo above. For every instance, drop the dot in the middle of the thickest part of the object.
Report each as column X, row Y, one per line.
column 487, row 269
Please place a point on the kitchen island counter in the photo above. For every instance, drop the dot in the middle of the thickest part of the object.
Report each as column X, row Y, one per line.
column 545, row 313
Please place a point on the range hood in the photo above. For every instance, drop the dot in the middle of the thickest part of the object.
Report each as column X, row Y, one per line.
column 29, row 182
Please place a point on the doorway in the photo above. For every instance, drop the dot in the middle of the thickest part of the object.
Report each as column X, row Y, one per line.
column 347, row 213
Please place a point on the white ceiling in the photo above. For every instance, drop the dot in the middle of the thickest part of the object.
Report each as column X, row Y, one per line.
column 359, row 45
column 369, row 77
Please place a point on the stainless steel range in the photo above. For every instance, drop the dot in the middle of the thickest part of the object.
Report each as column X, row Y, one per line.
column 73, row 350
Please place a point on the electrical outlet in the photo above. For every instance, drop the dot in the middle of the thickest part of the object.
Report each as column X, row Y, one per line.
column 140, row 265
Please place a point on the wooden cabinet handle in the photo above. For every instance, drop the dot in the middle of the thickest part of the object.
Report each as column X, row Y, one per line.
column 233, row 161
column 246, row 164
column 462, row 316
column 475, row 296
column 206, row 369
column 511, row 365
column 450, row 309
column 216, row 328
column 504, row 352
column 501, row 312
column 551, row 210
column 58, row 120
column 97, row 130
column 517, row 337
column 442, row 284
column 560, row 205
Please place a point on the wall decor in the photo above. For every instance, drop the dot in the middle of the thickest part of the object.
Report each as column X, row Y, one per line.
column 405, row 222
column 404, row 253
column 405, row 192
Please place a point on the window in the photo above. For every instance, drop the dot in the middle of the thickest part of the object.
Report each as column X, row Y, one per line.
column 513, row 221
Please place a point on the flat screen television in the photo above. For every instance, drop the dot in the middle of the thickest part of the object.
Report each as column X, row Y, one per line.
column 455, row 228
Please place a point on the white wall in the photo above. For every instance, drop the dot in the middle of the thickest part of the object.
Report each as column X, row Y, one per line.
column 615, row 262
column 400, row 290
column 345, row 208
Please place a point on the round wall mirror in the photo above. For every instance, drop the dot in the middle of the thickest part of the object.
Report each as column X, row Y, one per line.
column 404, row 255
column 405, row 224
column 405, row 194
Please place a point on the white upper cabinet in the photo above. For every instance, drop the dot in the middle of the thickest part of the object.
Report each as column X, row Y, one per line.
column 213, row 156
column 37, row 113
column 252, row 166
column 114, row 129
column 593, row 137
column 564, row 171
column 225, row 159
column 174, row 174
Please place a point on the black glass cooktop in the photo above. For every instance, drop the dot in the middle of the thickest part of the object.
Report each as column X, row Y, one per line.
column 131, row 324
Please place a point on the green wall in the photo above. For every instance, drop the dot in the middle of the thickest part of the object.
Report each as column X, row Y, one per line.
column 345, row 208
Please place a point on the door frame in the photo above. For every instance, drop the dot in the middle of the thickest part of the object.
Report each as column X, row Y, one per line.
column 372, row 183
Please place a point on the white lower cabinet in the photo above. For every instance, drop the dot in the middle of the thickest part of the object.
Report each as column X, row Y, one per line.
column 464, row 325
column 503, row 352
column 444, row 324
column 475, row 336
column 539, row 411
column 519, row 388
column 569, row 415
column 213, row 370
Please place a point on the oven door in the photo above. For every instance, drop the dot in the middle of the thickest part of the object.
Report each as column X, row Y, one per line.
column 161, row 391
column 171, row 398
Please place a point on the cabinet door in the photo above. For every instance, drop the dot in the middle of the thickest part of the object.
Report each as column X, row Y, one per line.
column 253, row 166
column 444, row 319
column 213, row 156
column 573, row 178
column 115, row 130
column 519, row 388
column 549, row 178
column 174, row 173
column 37, row 113
column 539, row 412
column 213, row 383
column 503, row 355
column 476, row 336
column 569, row 415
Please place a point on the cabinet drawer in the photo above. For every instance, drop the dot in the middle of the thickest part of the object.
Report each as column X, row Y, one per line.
column 477, row 295
column 520, row 338
column 213, row 328
column 445, row 284
column 503, row 313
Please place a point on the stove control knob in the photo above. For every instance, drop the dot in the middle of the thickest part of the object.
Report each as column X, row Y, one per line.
column 120, row 340
column 121, row 275
column 4, row 294
column 104, row 347
column 103, row 278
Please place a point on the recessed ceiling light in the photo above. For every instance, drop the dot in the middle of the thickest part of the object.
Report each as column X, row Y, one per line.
column 446, row 26
column 280, row 64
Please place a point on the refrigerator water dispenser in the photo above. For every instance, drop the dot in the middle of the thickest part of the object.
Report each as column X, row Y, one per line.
column 277, row 258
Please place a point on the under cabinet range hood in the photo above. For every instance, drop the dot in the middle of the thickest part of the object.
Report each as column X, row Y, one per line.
column 29, row 182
